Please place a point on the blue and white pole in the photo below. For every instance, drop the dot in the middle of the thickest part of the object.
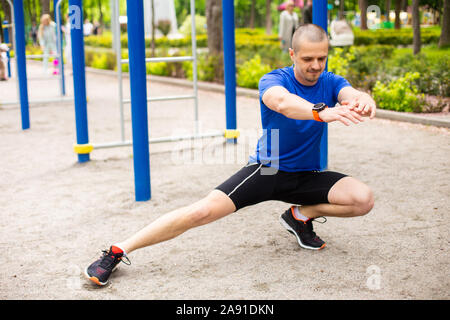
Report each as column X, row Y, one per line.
column 82, row 148
column 5, row 28
column 19, row 52
column 320, row 18
column 229, row 57
column 138, row 90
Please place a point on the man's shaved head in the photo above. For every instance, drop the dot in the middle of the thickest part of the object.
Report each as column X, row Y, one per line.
column 309, row 32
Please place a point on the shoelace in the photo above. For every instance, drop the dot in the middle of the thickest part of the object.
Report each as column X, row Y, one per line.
column 107, row 253
column 310, row 226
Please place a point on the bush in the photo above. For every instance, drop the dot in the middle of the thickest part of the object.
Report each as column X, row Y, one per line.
column 400, row 94
column 200, row 25
column 157, row 68
column 251, row 71
column 338, row 61
column 395, row 37
column 210, row 68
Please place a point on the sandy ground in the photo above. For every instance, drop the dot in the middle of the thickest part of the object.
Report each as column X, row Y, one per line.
column 57, row 215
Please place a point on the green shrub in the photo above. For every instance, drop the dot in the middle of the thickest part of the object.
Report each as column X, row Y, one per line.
column 210, row 68
column 200, row 25
column 157, row 68
column 400, row 94
column 339, row 61
column 251, row 71
column 403, row 36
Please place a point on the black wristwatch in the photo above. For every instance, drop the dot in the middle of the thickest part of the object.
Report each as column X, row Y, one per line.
column 316, row 109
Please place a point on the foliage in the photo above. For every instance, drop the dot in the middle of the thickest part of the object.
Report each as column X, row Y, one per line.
column 251, row 71
column 200, row 25
column 396, row 37
column 157, row 68
column 339, row 61
column 164, row 26
column 399, row 94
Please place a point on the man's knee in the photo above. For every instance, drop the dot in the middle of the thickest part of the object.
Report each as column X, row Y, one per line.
column 199, row 213
column 363, row 201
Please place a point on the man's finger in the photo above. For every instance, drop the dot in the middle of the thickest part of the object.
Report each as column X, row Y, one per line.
column 348, row 114
column 372, row 114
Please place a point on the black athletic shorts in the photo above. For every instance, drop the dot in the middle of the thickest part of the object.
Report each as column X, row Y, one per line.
column 255, row 183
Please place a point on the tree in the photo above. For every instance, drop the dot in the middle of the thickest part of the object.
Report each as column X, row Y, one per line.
column 416, row 26
column 214, row 26
column 45, row 6
column 398, row 7
column 363, row 4
column 388, row 9
column 341, row 9
column 444, row 40
column 268, row 17
column 215, row 38
column 152, row 45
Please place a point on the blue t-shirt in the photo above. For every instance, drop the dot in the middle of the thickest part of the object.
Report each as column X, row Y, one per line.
column 288, row 144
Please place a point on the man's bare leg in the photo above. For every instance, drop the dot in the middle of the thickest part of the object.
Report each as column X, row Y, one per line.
column 348, row 198
column 213, row 207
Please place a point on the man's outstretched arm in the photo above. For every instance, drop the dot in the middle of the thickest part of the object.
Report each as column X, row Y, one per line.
column 292, row 106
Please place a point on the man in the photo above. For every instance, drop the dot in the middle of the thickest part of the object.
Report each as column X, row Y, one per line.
column 295, row 101
column 3, row 61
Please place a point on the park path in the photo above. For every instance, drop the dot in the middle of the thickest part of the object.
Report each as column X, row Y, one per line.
column 57, row 214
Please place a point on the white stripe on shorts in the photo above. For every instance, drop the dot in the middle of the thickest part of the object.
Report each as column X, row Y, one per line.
column 240, row 184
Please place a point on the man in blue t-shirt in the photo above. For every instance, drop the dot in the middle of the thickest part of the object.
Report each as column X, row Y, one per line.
column 296, row 102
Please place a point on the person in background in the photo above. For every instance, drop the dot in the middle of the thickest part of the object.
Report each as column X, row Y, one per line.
column 3, row 60
column 288, row 24
column 47, row 38
column 34, row 34
column 68, row 47
column 307, row 12
column 87, row 27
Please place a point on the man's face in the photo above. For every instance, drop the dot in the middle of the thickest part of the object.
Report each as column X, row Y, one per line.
column 309, row 60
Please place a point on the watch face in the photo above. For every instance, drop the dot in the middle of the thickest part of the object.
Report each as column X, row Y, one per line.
column 319, row 106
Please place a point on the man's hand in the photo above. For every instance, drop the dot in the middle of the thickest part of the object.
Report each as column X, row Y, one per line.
column 358, row 101
column 363, row 105
column 342, row 113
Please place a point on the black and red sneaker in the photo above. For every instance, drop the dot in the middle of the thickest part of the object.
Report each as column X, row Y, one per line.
column 100, row 270
column 302, row 230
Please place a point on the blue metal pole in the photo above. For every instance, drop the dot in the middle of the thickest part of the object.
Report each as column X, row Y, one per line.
column 19, row 52
column 6, row 39
column 229, row 57
column 79, row 76
column 138, row 88
column 320, row 18
column 57, row 10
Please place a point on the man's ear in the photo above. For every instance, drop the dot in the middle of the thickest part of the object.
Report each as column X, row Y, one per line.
column 291, row 54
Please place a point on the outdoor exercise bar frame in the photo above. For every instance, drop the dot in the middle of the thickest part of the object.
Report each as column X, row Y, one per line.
column 118, row 50
column 18, row 36
column 138, row 80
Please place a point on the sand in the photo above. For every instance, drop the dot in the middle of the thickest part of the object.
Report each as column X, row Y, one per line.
column 57, row 215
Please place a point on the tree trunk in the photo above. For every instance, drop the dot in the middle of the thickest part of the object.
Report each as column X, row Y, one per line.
column 363, row 4
column 388, row 9
column 214, row 26
column 398, row 7
column 45, row 6
column 341, row 9
column 444, row 40
column 100, row 9
column 252, row 14
column 268, row 17
column 416, row 26
column 6, row 10
column 153, row 28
